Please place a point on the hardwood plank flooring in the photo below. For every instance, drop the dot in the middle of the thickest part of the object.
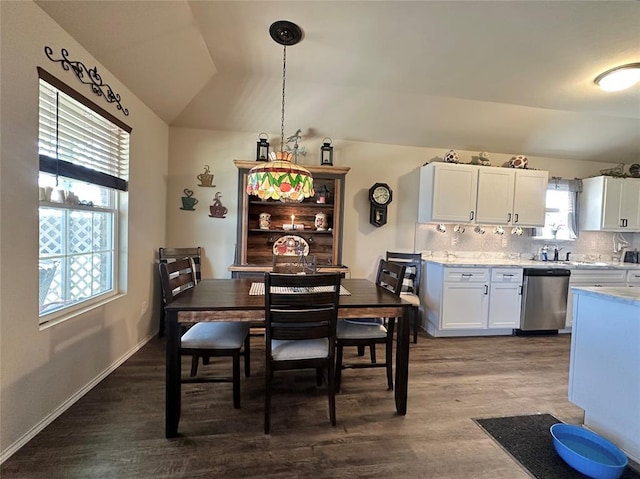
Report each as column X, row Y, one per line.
column 117, row 429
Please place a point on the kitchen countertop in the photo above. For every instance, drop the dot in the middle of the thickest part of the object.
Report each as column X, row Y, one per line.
column 621, row 295
column 521, row 263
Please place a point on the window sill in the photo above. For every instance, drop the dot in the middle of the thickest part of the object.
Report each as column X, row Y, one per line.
column 67, row 314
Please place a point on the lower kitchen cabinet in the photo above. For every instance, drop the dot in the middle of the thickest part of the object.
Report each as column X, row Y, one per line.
column 505, row 298
column 469, row 301
column 590, row 277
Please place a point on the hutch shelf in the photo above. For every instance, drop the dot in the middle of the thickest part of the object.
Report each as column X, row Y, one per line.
column 255, row 246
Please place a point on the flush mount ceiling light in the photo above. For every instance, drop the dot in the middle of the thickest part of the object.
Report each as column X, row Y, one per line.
column 281, row 179
column 619, row 78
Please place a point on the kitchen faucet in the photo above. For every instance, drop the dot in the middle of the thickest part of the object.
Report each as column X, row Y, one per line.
column 556, row 250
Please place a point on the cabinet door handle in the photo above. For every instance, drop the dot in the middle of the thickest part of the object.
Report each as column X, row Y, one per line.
column 508, row 217
column 466, row 275
column 471, row 215
column 507, row 275
column 520, row 292
column 486, row 289
column 516, row 216
column 625, row 222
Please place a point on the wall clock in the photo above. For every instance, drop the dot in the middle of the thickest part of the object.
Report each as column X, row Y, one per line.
column 380, row 195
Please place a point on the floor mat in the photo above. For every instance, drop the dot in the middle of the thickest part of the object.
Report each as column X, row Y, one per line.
column 528, row 440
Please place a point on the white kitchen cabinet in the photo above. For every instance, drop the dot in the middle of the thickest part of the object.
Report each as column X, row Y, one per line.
column 454, row 193
column 633, row 277
column 511, row 197
column 471, row 301
column 529, row 199
column 505, row 298
column 495, row 196
column 592, row 277
column 610, row 204
column 447, row 193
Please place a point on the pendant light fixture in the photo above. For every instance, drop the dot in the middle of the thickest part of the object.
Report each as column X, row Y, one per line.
column 281, row 179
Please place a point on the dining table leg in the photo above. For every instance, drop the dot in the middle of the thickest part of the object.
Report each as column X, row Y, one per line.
column 402, row 362
column 172, row 407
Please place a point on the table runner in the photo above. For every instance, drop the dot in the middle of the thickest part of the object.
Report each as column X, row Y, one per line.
column 257, row 289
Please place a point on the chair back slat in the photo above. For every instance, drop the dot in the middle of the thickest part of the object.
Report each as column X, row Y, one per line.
column 176, row 277
column 412, row 275
column 306, row 308
column 390, row 276
column 169, row 255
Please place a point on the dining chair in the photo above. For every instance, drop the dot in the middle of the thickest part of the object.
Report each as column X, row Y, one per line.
column 206, row 339
column 370, row 332
column 294, row 264
column 411, row 284
column 301, row 313
column 169, row 255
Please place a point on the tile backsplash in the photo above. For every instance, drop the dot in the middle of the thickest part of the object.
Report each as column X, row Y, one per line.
column 590, row 245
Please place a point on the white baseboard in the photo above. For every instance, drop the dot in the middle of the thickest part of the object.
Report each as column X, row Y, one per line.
column 31, row 433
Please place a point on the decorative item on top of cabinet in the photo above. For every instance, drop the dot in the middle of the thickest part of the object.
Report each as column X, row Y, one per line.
column 206, row 178
column 482, row 159
column 254, row 251
column 262, row 147
column 188, row 201
column 217, row 209
column 451, row 156
column 634, row 170
column 326, row 152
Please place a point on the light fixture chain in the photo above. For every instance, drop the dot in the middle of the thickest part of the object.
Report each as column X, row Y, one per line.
column 284, row 72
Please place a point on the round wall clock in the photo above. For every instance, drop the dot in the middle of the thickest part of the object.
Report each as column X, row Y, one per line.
column 380, row 195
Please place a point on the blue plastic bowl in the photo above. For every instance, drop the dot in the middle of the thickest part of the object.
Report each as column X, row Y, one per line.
column 587, row 452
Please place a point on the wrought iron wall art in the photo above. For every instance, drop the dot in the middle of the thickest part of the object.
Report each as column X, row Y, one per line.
column 188, row 201
column 206, row 178
column 88, row 76
column 217, row 209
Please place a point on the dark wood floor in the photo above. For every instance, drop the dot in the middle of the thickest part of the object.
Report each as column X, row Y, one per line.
column 117, row 429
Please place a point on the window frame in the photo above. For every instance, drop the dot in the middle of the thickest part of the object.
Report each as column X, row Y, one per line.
column 76, row 172
column 564, row 186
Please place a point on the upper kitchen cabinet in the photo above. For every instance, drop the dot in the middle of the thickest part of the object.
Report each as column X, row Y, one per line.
column 447, row 193
column 311, row 227
column 610, row 204
column 482, row 194
column 529, row 199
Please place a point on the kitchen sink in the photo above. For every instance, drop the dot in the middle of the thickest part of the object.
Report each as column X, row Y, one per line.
column 587, row 263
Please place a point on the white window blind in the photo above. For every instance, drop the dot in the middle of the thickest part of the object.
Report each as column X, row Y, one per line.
column 72, row 133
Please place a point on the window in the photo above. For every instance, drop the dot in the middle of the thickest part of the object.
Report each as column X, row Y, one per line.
column 84, row 153
column 561, row 208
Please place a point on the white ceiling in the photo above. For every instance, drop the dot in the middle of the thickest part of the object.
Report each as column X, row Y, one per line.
column 512, row 77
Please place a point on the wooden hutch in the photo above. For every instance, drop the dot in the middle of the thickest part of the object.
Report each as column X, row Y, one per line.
column 255, row 246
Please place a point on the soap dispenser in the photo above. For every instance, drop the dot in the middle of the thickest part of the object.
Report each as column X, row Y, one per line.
column 544, row 253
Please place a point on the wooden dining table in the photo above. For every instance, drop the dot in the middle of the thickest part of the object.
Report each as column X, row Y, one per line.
column 229, row 300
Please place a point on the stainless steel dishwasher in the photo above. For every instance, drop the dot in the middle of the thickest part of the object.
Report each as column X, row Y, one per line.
column 544, row 300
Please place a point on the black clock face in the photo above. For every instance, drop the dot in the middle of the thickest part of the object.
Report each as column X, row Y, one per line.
column 381, row 195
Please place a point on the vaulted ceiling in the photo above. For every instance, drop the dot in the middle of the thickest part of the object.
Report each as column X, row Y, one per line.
column 503, row 76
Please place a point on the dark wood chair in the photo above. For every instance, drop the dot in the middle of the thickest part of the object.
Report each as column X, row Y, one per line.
column 168, row 255
column 301, row 311
column 370, row 332
column 207, row 339
column 411, row 285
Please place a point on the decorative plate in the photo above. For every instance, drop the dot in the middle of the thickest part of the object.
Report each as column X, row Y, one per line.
column 290, row 245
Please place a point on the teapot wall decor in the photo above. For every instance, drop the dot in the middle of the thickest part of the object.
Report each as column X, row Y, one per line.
column 217, row 209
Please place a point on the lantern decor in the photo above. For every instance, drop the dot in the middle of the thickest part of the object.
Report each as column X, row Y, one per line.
column 262, row 149
column 326, row 152
column 281, row 179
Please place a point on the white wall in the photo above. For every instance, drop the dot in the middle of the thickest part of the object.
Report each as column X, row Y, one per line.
column 363, row 244
column 42, row 371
